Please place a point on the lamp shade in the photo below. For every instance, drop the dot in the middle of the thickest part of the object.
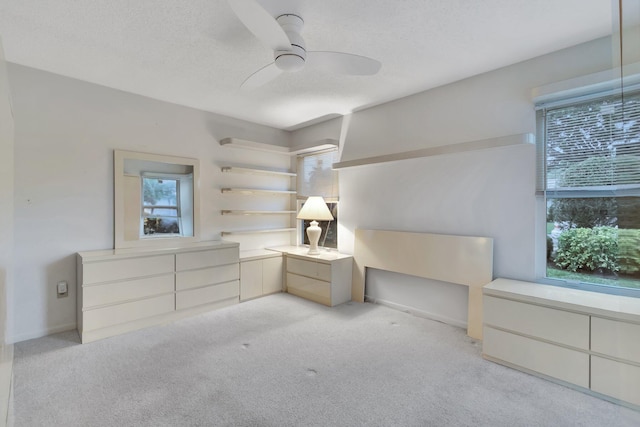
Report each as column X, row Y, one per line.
column 315, row 209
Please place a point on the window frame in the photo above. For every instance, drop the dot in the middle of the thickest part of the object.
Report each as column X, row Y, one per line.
column 178, row 178
column 543, row 195
column 332, row 198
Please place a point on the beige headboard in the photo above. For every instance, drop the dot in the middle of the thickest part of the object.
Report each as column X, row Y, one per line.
column 456, row 259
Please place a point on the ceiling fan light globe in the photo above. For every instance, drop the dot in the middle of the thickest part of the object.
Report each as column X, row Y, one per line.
column 289, row 62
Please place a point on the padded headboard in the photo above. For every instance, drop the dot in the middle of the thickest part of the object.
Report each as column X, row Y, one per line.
column 456, row 259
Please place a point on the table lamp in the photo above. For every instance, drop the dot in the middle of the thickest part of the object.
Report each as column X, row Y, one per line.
column 314, row 209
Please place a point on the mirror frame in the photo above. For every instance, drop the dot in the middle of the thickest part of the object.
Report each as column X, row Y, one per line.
column 119, row 158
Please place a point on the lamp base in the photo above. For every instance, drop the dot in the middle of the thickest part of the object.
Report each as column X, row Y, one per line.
column 313, row 232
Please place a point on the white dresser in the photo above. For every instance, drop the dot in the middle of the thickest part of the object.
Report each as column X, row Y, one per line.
column 128, row 289
column 324, row 278
column 585, row 339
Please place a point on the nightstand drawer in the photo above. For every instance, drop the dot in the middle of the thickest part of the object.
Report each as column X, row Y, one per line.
column 311, row 289
column 313, row 269
column 203, row 259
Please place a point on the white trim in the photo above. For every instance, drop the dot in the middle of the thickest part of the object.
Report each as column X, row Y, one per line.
column 589, row 86
column 44, row 332
column 417, row 312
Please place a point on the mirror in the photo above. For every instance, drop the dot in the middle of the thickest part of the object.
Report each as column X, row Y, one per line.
column 156, row 200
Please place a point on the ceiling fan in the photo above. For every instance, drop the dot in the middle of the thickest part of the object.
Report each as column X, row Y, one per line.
column 282, row 35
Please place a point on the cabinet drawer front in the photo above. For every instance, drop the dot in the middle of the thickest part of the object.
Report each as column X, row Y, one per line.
column 559, row 326
column 615, row 338
column 209, row 258
column 615, row 379
column 200, row 296
column 312, row 289
column 312, row 269
column 206, row 276
column 107, row 271
column 123, row 291
column 548, row 359
column 127, row 312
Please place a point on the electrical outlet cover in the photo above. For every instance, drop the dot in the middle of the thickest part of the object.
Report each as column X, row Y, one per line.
column 62, row 287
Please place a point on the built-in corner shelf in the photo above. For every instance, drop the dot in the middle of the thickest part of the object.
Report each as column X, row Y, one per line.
column 504, row 141
column 273, row 207
column 245, row 212
column 257, row 191
column 268, row 230
column 253, row 171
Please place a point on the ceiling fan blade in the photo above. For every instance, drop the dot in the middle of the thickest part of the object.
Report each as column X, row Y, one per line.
column 262, row 76
column 344, row 63
column 261, row 24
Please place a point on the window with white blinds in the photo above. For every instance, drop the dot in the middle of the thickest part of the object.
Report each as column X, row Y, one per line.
column 316, row 176
column 589, row 175
column 592, row 148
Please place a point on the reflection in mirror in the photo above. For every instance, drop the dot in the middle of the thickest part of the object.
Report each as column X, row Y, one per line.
column 156, row 200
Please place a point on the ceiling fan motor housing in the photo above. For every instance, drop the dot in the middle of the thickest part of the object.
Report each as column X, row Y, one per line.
column 293, row 59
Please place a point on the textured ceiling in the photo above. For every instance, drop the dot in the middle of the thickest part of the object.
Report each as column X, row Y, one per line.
column 197, row 53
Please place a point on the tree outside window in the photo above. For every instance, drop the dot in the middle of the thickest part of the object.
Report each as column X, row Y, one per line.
column 160, row 206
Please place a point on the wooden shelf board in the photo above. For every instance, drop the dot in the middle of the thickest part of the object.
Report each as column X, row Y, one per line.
column 311, row 147
column 249, row 191
column 270, row 230
column 252, row 171
column 504, row 141
column 244, row 212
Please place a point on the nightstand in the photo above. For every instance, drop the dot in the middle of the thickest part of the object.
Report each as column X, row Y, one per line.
column 324, row 278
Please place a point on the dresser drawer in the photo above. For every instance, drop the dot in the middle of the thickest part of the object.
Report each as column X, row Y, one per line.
column 120, row 269
column 615, row 379
column 548, row 359
column 206, row 276
column 615, row 338
column 316, row 270
column 110, row 293
column 127, row 312
column 312, row 289
column 559, row 326
column 200, row 296
column 209, row 258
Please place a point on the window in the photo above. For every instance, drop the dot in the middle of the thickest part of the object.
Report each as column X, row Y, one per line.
column 166, row 201
column 317, row 178
column 589, row 174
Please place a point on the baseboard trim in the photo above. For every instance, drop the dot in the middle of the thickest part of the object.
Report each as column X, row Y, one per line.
column 417, row 312
column 6, row 383
column 43, row 333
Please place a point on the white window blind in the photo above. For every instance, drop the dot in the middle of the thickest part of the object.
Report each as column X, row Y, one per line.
column 316, row 176
column 592, row 148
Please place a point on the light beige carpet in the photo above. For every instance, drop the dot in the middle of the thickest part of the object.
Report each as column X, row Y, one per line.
column 285, row 361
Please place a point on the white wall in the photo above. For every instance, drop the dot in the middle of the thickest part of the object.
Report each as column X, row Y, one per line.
column 6, row 200
column 486, row 193
column 66, row 131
